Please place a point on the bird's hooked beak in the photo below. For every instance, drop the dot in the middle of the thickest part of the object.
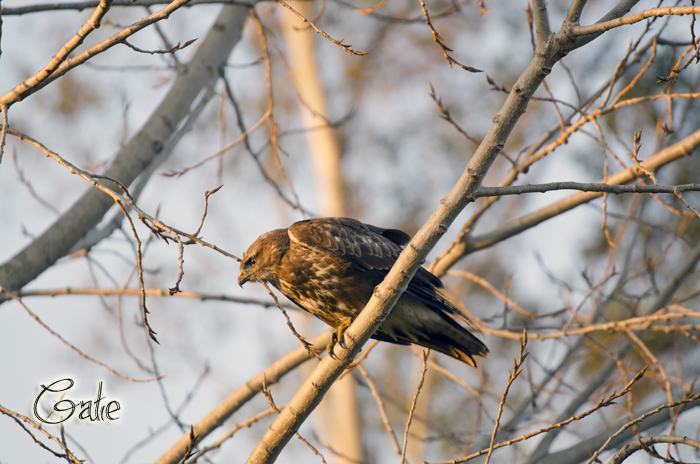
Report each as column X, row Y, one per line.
column 242, row 278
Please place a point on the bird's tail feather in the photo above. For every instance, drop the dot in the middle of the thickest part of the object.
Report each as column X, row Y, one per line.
column 412, row 322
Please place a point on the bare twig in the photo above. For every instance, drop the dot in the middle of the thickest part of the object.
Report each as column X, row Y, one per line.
column 445, row 113
column 161, row 292
column 268, row 396
column 244, row 424
column 347, row 48
column 440, row 41
column 382, row 410
column 488, row 286
column 156, row 226
column 206, row 208
column 512, row 375
column 309, row 347
column 270, row 101
column 413, row 405
column 66, row 342
column 173, row 49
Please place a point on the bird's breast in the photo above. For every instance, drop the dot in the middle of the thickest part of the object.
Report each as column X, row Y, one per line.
column 324, row 285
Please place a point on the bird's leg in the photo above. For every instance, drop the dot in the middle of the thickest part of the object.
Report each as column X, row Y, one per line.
column 338, row 337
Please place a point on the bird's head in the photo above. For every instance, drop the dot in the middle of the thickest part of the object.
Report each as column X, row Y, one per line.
column 260, row 263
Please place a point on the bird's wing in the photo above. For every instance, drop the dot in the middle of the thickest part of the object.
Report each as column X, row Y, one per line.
column 365, row 247
column 371, row 249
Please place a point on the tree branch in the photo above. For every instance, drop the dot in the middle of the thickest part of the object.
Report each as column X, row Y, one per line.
column 619, row 10
column 272, row 374
column 26, row 87
column 600, row 27
column 584, row 187
column 542, row 27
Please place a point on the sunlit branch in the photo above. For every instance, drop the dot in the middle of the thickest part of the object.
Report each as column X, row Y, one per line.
column 635, row 18
column 584, row 187
column 61, row 64
column 347, row 48
column 270, row 375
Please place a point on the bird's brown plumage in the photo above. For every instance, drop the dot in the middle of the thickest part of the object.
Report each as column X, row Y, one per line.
column 330, row 267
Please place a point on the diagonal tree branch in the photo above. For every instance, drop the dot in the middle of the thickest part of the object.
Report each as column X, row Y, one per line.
column 93, row 23
column 635, row 18
column 619, row 10
column 272, row 374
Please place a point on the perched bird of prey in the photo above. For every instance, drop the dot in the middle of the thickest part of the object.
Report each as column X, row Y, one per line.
column 330, row 267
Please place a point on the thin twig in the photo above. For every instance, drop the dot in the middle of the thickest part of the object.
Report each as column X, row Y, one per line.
column 489, row 287
column 161, row 292
column 152, row 223
column 309, row 347
column 347, row 48
column 66, row 342
column 382, row 410
column 439, row 40
column 445, row 113
column 512, row 375
column 206, row 208
column 421, row 381
column 241, row 425
column 270, row 99
column 171, row 50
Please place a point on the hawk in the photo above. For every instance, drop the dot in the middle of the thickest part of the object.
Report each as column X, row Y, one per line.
column 330, row 267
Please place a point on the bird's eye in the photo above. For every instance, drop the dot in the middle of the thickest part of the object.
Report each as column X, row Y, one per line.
column 250, row 262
